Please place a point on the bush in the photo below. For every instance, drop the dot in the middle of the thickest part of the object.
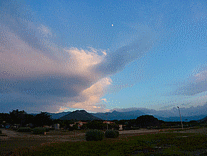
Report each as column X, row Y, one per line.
column 111, row 134
column 39, row 130
column 0, row 132
column 94, row 135
column 47, row 129
column 24, row 129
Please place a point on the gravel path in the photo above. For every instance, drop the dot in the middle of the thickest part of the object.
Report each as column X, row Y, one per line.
column 10, row 134
column 139, row 131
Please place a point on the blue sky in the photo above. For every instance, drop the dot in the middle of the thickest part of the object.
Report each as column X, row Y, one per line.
column 100, row 55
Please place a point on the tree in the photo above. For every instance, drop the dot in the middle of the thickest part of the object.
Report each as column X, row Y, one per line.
column 147, row 120
column 5, row 117
column 95, row 124
column 18, row 117
column 42, row 119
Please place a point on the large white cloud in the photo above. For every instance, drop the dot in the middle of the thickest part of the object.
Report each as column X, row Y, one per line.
column 37, row 74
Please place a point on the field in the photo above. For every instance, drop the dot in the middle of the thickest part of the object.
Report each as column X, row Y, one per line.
column 134, row 142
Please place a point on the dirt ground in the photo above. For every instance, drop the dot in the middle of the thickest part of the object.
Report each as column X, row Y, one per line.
column 11, row 140
column 50, row 136
column 139, row 131
column 69, row 136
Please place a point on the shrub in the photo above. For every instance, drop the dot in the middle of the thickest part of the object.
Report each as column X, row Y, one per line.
column 47, row 129
column 111, row 134
column 39, row 130
column 94, row 135
column 0, row 132
column 24, row 129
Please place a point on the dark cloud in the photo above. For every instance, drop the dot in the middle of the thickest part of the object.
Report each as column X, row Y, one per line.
column 192, row 88
column 116, row 61
column 47, row 85
column 36, row 74
column 196, row 84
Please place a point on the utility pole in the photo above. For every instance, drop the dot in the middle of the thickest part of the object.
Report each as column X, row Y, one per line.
column 107, row 121
column 180, row 117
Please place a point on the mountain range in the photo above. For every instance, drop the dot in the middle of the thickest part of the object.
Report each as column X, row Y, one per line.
column 188, row 114
column 79, row 115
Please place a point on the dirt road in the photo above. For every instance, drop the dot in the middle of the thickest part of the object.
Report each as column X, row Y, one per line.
column 139, row 131
column 11, row 140
column 72, row 136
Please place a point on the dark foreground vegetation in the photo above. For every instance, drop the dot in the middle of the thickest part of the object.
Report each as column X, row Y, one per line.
column 93, row 138
column 165, row 143
column 17, row 119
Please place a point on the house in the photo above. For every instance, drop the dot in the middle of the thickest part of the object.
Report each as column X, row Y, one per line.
column 120, row 127
column 108, row 122
column 80, row 124
column 7, row 126
column 57, row 126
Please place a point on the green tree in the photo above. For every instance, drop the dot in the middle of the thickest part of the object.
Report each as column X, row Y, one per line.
column 18, row 117
column 95, row 124
column 147, row 120
column 42, row 119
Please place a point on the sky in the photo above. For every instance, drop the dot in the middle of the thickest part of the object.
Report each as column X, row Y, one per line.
column 61, row 55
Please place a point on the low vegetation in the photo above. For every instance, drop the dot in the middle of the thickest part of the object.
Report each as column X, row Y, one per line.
column 111, row 134
column 149, row 144
column 39, row 130
column 24, row 129
column 167, row 142
column 94, row 135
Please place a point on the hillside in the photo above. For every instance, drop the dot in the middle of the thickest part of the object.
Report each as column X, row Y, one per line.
column 115, row 115
column 79, row 115
column 204, row 120
column 58, row 115
column 188, row 114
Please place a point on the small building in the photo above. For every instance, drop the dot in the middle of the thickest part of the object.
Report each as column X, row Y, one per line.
column 120, row 127
column 80, row 124
column 7, row 126
column 108, row 122
column 46, row 126
column 57, row 126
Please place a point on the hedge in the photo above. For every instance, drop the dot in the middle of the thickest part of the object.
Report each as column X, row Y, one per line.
column 94, row 135
column 39, row 130
column 24, row 129
column 111, row 134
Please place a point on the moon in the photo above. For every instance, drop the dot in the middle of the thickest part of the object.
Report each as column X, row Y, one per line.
column 112, row 25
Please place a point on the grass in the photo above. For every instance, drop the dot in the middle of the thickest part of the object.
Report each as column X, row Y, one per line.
column 149, row 144
column 7, row 146
column 164, row 143
column 27, row 140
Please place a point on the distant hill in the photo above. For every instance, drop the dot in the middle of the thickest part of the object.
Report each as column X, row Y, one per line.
column 188, row 114
column 58, row 115
column 184, row 118
column 185, row 112
column 115, row 115
column 204, row 120
column 79, row 115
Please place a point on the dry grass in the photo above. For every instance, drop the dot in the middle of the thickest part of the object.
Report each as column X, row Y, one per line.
column 191, row 142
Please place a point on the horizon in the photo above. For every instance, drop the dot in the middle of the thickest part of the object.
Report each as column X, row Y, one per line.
column 194, row 111
column 99, row 56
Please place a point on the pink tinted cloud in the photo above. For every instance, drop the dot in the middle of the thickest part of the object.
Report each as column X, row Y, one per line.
column 29, row 72
column 90, row 98
column 33, row 66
